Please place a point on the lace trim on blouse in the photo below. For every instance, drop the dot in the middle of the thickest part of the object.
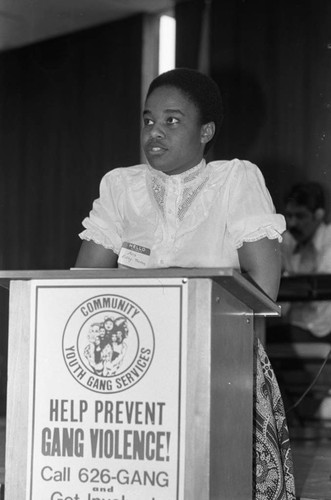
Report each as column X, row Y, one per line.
column 84, row 235
column 189, row 183
column 159, row 193
column 262, row 232
column 189, row 196
column 91, row 232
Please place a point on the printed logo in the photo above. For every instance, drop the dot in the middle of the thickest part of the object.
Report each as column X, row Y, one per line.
column 108, row 343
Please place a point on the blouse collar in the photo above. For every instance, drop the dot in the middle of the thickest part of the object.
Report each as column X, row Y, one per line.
column 186, row 185
column 183, row 178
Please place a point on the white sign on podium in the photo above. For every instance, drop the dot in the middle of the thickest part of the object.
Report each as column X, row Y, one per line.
column 107, row 406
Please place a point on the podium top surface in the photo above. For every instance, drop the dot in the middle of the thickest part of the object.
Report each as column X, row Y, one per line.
column 86, row 273
column 230, row 279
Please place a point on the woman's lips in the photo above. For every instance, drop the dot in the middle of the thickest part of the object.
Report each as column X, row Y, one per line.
column 155, row 149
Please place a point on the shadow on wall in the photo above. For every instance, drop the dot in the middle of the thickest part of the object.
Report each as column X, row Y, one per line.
column 52, row 56
column 273, row 170
column 244, row 113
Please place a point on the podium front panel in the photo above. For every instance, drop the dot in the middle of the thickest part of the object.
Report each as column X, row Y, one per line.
column 104, row 391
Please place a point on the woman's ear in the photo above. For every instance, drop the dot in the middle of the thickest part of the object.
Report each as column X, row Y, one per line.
column 319, row 214
column 207, row 132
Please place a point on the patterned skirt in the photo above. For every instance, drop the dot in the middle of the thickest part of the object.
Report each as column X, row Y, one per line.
column 273, row 467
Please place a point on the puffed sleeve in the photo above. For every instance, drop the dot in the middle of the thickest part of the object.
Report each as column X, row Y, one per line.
column 104, row 224
column 251, row 214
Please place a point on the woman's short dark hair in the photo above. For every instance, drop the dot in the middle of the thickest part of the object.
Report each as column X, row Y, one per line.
column 200, row 89
column 307, row 194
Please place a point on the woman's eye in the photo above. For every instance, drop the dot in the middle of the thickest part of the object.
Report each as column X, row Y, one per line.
column 148, row 121
column 172, row 120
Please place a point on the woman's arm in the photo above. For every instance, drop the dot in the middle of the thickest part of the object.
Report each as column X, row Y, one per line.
column 261, row 260
column 93, row 255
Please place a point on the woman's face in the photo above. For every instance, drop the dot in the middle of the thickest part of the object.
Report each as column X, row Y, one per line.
column 172, row 136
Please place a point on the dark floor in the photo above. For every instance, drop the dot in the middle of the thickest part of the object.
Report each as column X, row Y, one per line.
column 303, row 372
column 311, row 447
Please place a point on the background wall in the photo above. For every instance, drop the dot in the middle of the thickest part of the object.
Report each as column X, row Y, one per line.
column 272, row 61
column 69, row 112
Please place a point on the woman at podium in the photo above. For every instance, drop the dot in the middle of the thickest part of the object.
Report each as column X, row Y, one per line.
column 177, row 210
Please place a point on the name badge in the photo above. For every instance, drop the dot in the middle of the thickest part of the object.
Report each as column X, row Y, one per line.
column 132, row 255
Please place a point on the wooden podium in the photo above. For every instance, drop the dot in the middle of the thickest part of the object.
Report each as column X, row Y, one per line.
column 130, row 384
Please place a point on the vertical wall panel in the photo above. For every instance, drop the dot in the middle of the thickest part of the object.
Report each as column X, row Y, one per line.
column 69, row 112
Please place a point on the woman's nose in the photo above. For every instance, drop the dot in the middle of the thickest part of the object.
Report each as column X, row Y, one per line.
column 157, row 131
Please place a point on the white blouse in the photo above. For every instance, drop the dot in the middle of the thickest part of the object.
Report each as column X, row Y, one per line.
column 195, row 219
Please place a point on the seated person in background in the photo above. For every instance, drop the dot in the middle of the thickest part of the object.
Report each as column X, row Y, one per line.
column 306, row 249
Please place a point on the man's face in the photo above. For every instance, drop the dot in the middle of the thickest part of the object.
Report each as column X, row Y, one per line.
column 301, row 222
